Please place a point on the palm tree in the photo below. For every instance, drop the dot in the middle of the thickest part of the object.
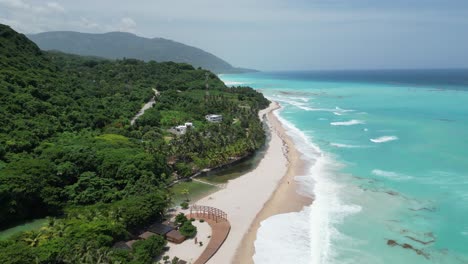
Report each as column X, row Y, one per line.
column 35, row 238
column 186, row 193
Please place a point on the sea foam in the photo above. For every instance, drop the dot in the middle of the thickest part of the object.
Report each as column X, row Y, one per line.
column 339, row 145
column 348, row 123
column 305, row 236
column 384, row 139
column 391, row 175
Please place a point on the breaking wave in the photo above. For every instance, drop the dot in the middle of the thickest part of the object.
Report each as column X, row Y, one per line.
column 384, row 139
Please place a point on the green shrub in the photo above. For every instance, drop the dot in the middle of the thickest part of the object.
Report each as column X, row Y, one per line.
column 184, row 205
column 145, row 250
column 181, row 219
column 187, row 229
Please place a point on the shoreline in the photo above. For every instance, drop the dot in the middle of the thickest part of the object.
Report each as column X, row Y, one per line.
column 285, row 198
column 267, row 190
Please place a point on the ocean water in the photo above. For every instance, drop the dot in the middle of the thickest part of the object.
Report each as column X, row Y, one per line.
column 388, row 166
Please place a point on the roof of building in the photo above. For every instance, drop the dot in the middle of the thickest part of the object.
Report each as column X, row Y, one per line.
column 160, row 229
column 121, row 245
column 175, row 236
column 146, row 235
column 130, row 243
column 169, row 223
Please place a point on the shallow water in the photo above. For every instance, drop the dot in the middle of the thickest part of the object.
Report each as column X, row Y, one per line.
column 388, row 166
column 35, row 224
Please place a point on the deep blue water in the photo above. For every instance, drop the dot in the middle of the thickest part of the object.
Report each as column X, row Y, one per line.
column 388, row 155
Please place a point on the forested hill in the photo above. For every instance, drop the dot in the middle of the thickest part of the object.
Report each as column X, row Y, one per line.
column 117, row 45
column 67, row 148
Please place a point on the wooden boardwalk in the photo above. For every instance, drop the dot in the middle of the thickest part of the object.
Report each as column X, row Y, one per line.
column 220, row 228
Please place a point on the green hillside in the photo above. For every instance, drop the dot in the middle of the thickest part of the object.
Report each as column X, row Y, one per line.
column 118, row 45
column 68, row 151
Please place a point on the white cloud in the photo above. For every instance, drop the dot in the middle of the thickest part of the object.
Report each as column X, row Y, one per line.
column 89, row 24
column 20, row 4
column 127, row 24
column 54, row 6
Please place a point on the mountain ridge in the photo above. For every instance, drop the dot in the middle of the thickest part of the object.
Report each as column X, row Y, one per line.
column 118, row 45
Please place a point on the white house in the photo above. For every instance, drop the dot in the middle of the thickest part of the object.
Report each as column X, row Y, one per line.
column 214, row 118
column 181, row 129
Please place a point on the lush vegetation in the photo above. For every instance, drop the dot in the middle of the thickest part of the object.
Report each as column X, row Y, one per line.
column 187, row 229
column 67, row 148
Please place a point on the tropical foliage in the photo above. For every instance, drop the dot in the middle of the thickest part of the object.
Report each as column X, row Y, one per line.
column 68, row 150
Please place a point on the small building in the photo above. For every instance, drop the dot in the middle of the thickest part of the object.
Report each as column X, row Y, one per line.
column 188, row 124
column 181, row 129
column 130, row 243
column 121, row 245
column 214, row 118
column 146, row 235
column 175, row 236
column 160, row 229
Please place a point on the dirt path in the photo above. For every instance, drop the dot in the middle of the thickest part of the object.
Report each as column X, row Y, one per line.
column 147, row 106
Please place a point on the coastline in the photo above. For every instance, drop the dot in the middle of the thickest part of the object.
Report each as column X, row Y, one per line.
column 268, row 190
column 285, row 198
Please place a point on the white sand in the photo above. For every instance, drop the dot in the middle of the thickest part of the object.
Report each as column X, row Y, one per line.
column 249, row 199
column 244, row 197
column 188, row 250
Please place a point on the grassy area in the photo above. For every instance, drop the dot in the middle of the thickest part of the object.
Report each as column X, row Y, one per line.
column 113, row 138
column 27, row 226
column 196, row 191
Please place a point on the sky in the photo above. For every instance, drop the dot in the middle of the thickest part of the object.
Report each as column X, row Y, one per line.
column 274, row 34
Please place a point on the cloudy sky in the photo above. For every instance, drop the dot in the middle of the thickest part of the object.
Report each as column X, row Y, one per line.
column 274, row 34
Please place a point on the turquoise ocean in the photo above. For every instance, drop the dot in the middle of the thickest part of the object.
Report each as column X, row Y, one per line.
column 387, row 155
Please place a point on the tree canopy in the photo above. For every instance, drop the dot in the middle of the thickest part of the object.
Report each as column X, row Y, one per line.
column 68, row 150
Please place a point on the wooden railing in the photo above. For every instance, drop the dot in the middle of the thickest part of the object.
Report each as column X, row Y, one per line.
column 208, row 212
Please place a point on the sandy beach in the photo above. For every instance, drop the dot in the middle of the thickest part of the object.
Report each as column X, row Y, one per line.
column 267, row 190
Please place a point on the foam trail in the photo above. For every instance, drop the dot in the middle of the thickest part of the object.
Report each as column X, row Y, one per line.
column 391, row 175
column 300, row 105
column 344, row 110
column 338, row 145
column 348, row 123
column 384, row 139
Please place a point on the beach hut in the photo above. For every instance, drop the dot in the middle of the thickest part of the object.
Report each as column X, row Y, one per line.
column 160, row 229
column 146, row 235
column 175, row 236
